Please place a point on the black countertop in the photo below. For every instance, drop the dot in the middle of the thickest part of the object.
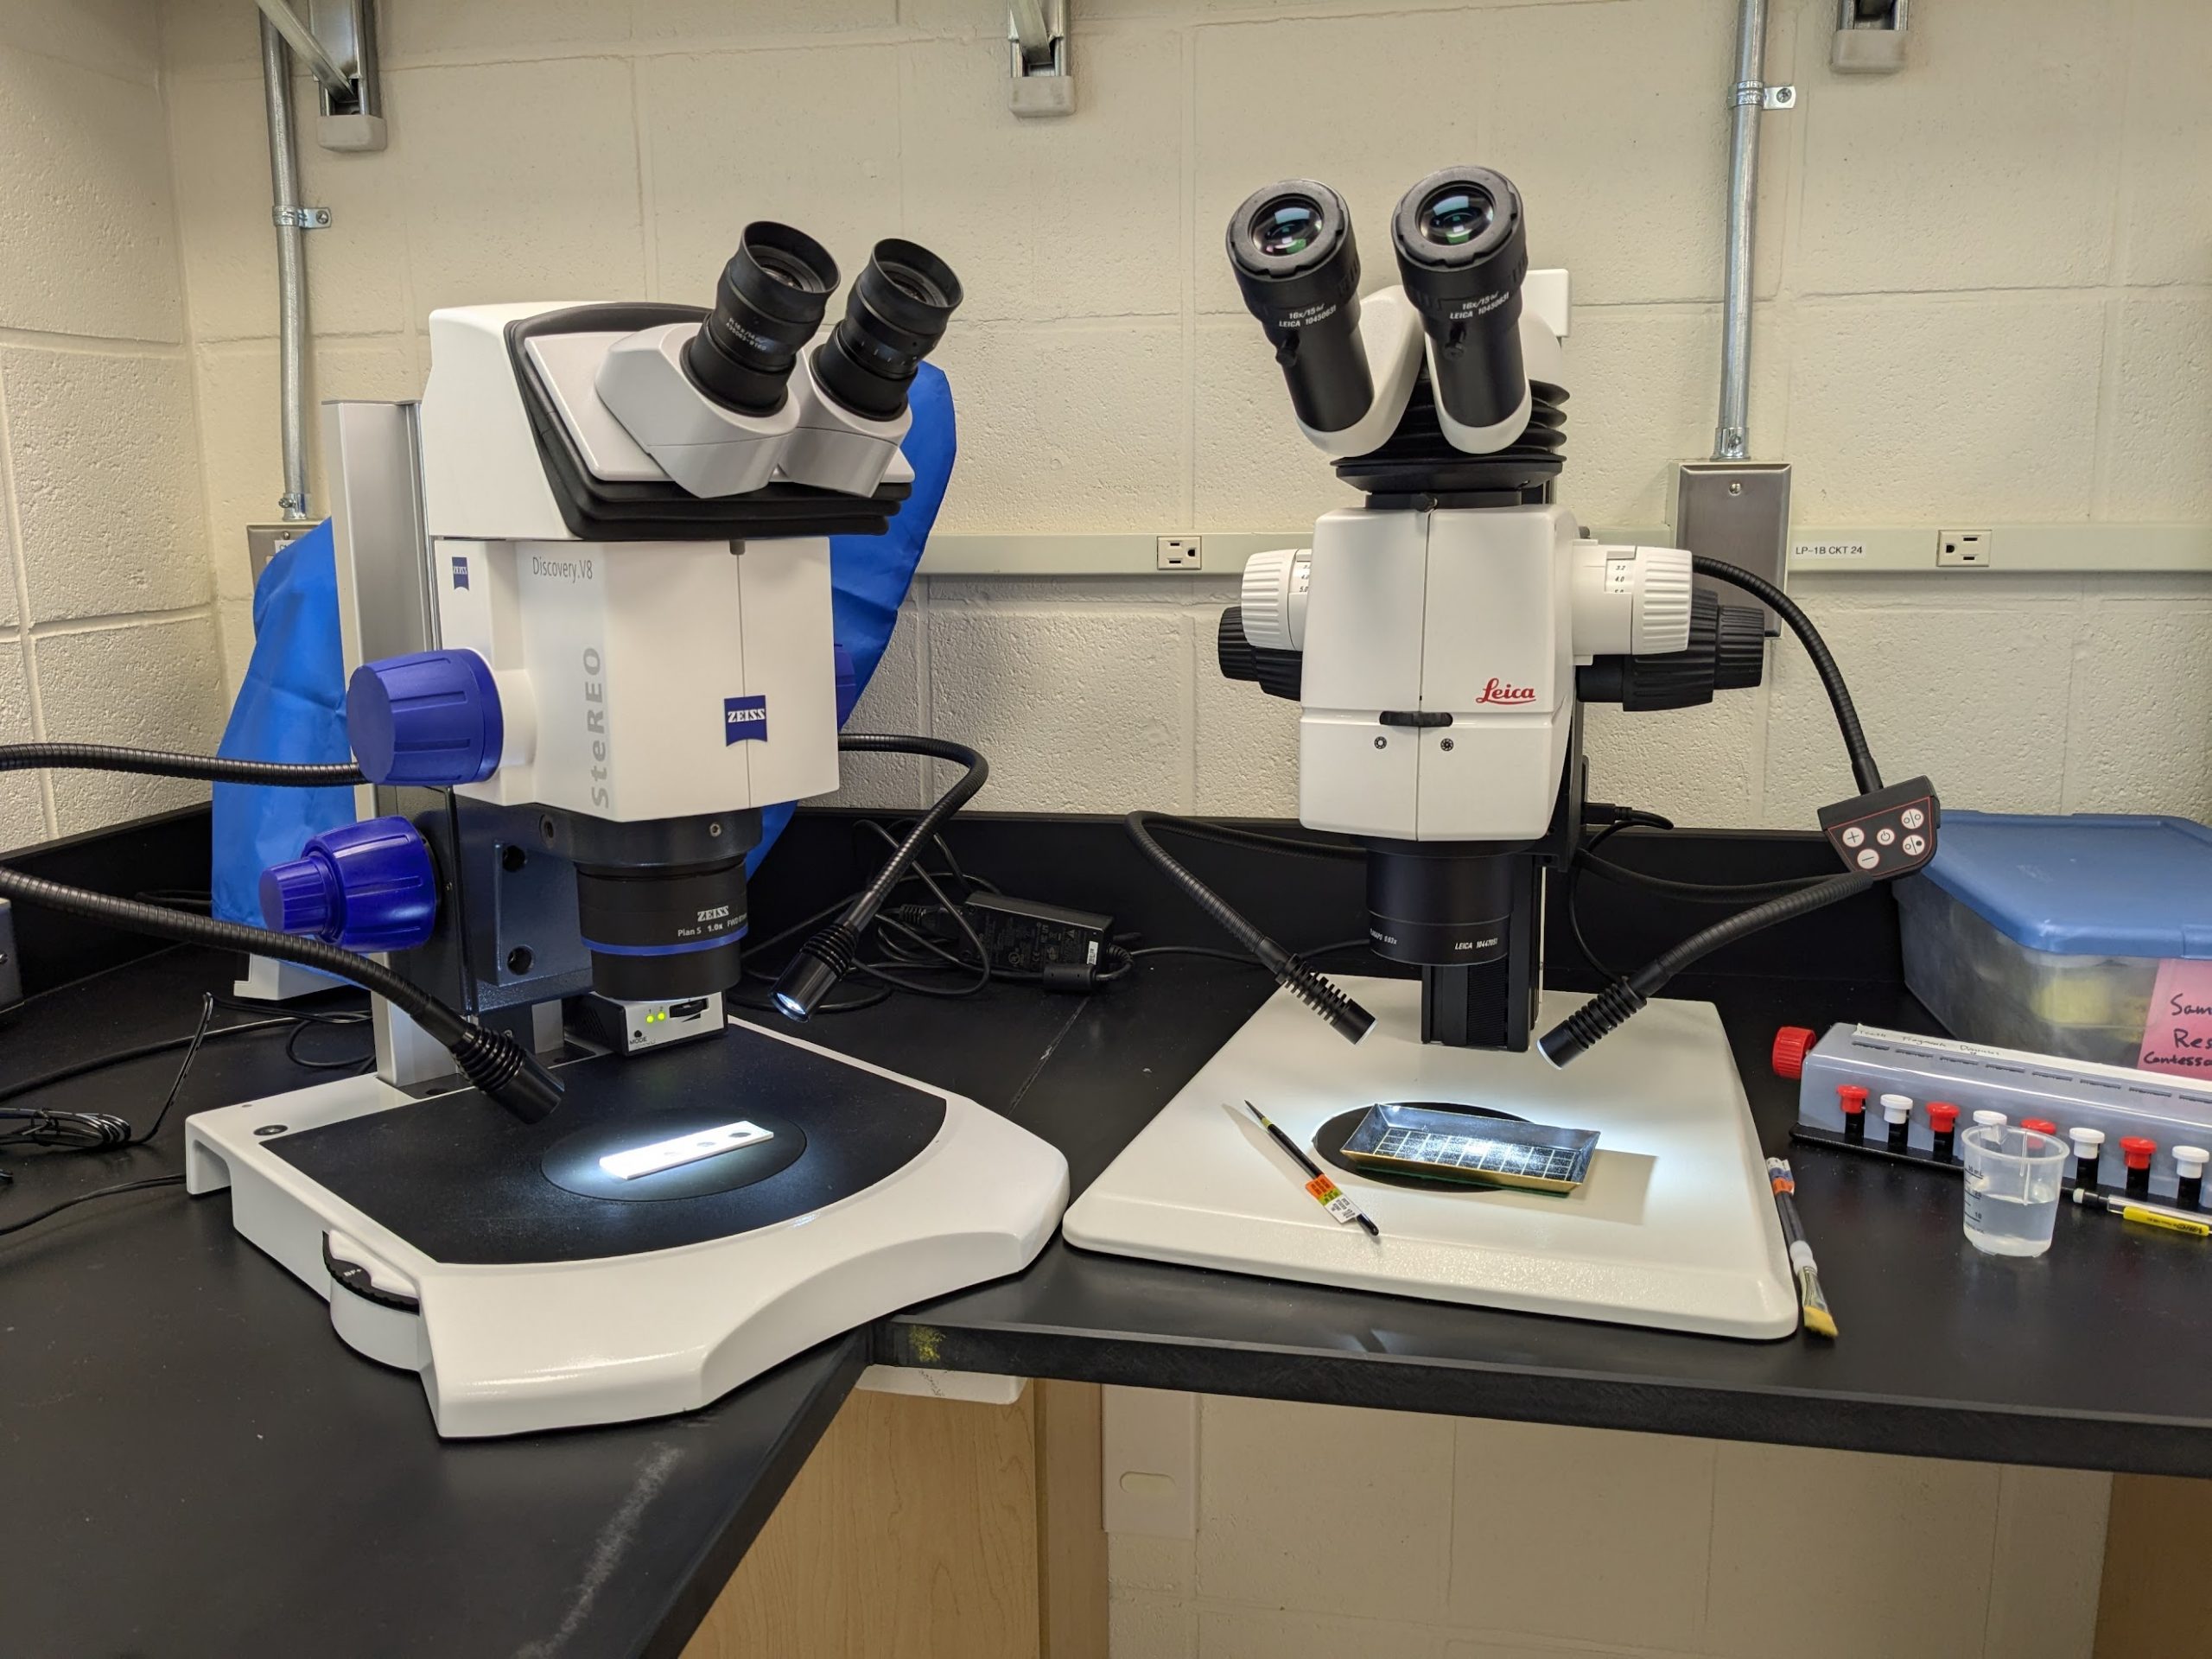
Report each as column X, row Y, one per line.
column 193, row 1463
column 197, row 1464
column 2097, row 1355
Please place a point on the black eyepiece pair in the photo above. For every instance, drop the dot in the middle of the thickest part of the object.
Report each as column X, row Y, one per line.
column 1462, row 247
column 772, row 296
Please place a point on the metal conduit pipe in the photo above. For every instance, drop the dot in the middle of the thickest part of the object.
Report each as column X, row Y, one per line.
column 291, row 268
column 1730, row 441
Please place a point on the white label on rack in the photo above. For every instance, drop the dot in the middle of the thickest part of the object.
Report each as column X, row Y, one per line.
column 2127, row 1074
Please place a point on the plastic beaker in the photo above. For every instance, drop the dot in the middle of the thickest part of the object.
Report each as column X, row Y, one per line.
column 2012, row 1187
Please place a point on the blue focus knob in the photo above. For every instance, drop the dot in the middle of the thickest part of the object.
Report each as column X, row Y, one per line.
column 368, row 887
column 431, row 717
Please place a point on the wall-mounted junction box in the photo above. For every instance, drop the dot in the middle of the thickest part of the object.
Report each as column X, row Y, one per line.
column 1737, row 511
column 264, row 541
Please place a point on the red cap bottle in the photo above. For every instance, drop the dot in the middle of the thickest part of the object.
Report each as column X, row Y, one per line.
column 1791, row 1043
column 2137, row 1149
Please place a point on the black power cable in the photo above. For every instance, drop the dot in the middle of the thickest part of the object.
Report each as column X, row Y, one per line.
column 18, row 1224
column 34, row 1126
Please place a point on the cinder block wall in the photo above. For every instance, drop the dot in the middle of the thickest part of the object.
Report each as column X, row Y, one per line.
column 107, row 628
column 1984, row 295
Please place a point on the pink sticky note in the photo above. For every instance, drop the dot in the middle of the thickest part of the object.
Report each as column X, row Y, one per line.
column 2178, row 1035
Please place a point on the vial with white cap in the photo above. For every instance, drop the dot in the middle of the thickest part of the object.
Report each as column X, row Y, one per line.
column 1897, row 1112
column 2088, row 1148
column 2189, row 1165
column 1985, row 1119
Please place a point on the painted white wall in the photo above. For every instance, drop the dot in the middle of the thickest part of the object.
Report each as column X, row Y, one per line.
column 107, row 627
column 1985, row 295
column 1324, row 1531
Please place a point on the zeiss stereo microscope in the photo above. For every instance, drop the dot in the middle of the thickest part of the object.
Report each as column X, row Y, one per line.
column 1441, row 640
column 585, row 601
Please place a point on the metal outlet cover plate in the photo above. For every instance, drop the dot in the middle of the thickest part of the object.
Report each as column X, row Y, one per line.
column 1737, row 511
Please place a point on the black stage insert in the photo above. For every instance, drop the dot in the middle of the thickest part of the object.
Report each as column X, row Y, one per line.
column 460, row 1180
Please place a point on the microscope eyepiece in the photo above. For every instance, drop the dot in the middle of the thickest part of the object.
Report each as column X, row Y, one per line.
column 1463, row 249
column 1291, row 247
column 768, row 304
column 893, row 318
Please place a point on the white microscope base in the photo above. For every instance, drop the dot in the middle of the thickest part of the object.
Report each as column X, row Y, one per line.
column 1674, row 1227
column 511, row 1349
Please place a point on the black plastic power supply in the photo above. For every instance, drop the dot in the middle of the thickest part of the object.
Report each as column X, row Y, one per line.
column 1025, row 937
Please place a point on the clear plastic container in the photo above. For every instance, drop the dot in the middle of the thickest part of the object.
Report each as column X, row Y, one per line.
column 2012, row 1178
column 2046, row 933
column 1988, row 988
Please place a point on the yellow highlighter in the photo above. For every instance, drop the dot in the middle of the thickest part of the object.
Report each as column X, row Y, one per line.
column 2148, row 1215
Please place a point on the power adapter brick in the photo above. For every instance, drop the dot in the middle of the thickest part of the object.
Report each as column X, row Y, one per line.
column 1066, row 947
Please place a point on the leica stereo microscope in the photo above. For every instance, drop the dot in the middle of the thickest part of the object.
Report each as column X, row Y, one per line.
column 1441, row 640
column 586, row 600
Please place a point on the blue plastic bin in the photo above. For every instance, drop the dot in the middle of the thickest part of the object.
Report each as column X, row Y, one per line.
column 2046, row 933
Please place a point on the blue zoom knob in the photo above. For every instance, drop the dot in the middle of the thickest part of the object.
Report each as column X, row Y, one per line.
column 431, row 717
column 368, row 887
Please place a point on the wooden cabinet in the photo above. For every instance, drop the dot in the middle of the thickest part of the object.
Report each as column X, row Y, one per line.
column 925, row 1529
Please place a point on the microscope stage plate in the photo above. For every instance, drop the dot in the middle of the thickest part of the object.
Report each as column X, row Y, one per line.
column 444, row 1246
column 461, row 1180
column 1674, row 1227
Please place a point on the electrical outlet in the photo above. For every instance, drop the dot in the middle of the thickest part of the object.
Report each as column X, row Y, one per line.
column 1963, row 550
column 1181, row 552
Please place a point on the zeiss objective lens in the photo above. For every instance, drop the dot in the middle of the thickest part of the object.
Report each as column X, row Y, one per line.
column 894, row 317
column 1463, row 249
column 1291, row 246
column 767, row 305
